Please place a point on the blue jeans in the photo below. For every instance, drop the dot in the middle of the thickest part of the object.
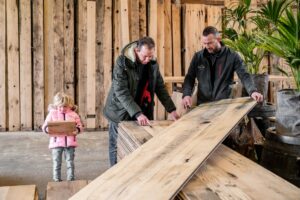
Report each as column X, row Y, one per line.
column 113, row 136
column 69, row 153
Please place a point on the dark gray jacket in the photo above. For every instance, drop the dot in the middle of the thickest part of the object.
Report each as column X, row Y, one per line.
column 227, row 63
column 120, row 104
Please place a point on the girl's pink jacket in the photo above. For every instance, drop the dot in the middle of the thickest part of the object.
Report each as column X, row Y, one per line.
column 63, row 141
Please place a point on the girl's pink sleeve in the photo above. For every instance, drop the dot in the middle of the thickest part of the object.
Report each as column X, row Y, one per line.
column 79, row 124
column 48, row 118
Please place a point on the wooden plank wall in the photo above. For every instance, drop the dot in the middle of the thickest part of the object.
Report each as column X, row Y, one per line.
column 71, row 45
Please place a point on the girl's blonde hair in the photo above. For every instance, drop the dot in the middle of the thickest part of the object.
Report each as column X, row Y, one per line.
column 62, row 99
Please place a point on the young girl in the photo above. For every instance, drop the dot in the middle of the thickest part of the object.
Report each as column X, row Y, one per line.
column 63, row 108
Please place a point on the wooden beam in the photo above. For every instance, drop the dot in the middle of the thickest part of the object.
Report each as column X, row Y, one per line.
column 104, row 58
column 38, row 64
column 3, row 85
column 13, row 75
column 179, row 152
column 124, row 14
column 58, row 46
column 176, row 39
column 134, row 22
column 117, row 46
column 69, row 66
column 24, row 192
column 193, row 25
column 81, row 64
column 49, row 52
column 143, row 18
column 25, row 65
column 91, row 65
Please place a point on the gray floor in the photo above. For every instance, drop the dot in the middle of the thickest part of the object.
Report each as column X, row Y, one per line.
column 26, row 159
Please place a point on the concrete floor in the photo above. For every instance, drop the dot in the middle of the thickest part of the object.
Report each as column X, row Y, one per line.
column 25, row 158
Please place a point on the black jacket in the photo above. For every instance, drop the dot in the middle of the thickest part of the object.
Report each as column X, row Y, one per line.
column 120, row 104
column 227, row 62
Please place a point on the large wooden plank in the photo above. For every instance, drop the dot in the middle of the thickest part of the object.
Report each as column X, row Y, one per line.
column 225, row 175
column 193, row 25
column 38, row 64
column 91, row 65
column 104, row 58
column 134, row 22
column 25, row 65
column 24, row 192
column 81, row 62
column 178, row 152
column 3, row 85
column 64, row 190
column 13, row 70
column 69, row 65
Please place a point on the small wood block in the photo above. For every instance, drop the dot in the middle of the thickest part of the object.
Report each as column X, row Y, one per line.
column 61, row 127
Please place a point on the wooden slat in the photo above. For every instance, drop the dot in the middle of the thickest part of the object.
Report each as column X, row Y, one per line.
column 104, row 58
column 91, row 64
column 160, row 44
column 24, row 192
column 81, row 64
column 3, row 85
column 143, row 18
column 116, row 30
column 13, row 71
column 178, row 152
column 124, row 22
column 225, row 175
column 58, row 46
column 25, row 65
column 134, row 22
column 193, row 25
column 38, row 64
column 49, row 52
column 69, row 76
column 176, row 38
column 64, row 190
column 214, row 16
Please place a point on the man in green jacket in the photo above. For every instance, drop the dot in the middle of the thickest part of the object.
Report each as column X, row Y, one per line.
column 136, row 78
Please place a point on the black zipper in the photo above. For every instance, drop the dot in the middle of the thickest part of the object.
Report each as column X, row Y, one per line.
column 65, row 136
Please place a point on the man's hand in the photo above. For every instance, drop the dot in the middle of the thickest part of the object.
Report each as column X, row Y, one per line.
column 143, row 120
column 257, row 96
column 174, row 115
column 187, row 102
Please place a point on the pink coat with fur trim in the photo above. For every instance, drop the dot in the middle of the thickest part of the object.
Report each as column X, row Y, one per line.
column 63, row 141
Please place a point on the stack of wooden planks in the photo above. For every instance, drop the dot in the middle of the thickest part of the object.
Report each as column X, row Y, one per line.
column 225, row 175
column 162, row 166
column 24, row 192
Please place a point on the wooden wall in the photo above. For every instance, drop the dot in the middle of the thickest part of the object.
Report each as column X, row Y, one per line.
column 48, row 46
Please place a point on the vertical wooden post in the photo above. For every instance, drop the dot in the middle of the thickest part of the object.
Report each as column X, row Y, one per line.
column 143, row 18
column 38, row 63
column 13, row 65
column 81, row 58
column 104, row 57
column 91, row 64
column 49, row 52
column 116, row 30
column 214, row 16
column 69, row 78
column 58, row 48
column 134, row 22
column 3, row 86
column 125, row 38
column 176, row 39
column 25, row 65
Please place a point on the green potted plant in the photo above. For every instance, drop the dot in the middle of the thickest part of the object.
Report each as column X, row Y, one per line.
column 285, row 42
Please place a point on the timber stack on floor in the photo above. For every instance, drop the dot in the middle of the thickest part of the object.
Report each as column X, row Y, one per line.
column 161, row 167
column 225, row 175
